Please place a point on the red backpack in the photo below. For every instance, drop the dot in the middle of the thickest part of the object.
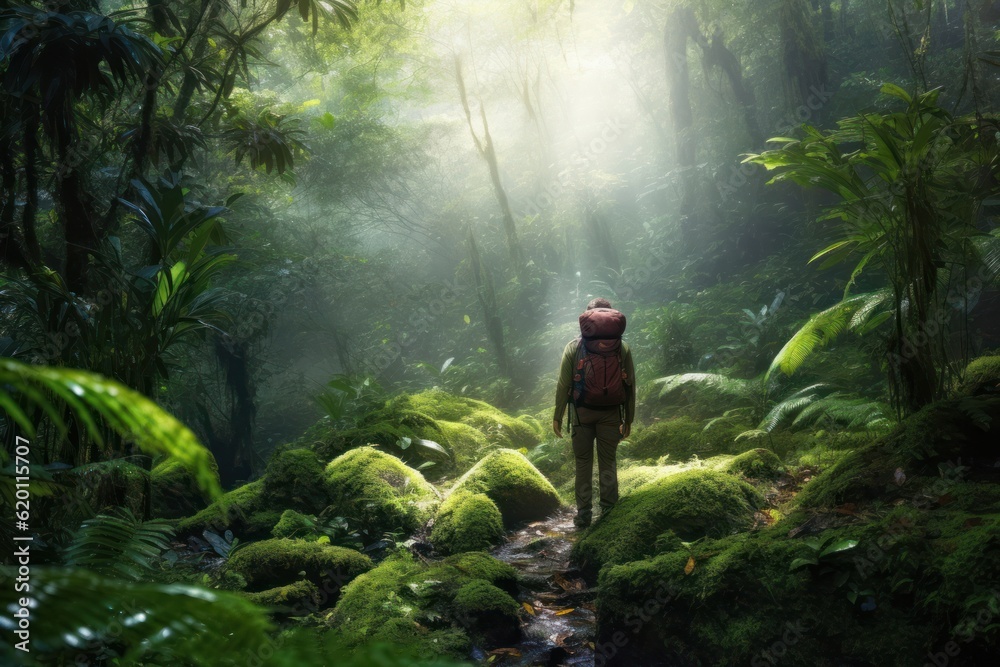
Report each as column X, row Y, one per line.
column 599, row 377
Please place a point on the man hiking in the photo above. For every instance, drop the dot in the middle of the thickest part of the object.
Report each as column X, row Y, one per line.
column 597, row 381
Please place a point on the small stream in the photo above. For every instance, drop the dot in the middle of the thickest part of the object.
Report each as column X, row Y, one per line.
column 557, row 602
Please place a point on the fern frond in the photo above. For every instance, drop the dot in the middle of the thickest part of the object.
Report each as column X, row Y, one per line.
column 794, row 403
column 74, row 610
column 119, row 544
column 731, row 386
column 821, row 329
column 128, row 413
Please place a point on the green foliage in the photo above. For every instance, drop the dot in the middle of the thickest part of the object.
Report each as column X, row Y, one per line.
column 268, row 141
column 909, row 201
column 118, row 545
column 982, row 376
column 77, row 612
column 126, row 412
column 301, row 597
column 175, row 489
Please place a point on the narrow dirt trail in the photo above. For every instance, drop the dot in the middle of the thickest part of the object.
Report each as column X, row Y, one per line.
column 558, row 605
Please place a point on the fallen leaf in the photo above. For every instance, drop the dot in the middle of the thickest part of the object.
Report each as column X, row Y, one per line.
column 512, row 652
column 528, row 608
column 846, row 508
column 563, row 612
column 974, row 521
column 689, row 568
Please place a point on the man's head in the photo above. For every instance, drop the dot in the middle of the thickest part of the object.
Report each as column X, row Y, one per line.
column 599, row 302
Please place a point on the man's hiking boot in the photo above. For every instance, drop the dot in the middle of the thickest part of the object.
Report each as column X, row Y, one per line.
column 581, row 521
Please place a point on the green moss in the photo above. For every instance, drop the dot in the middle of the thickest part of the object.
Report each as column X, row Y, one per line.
column 926, row 571
column 756, row 464
column 242, row 510
column 518, row 489
column 296, row 525
column 302, row 597
column 414, row 605
column 488, row 613
column 379, row 491
column 680, row 439
column 691, row 504
column 439, row 404
column 465, row 443
column 502, row 430
column 277, row 562
column 480, row 565
column 922, row 446
column 175, row 492
column 467, row 522
column 294, row 478
column 982, row 375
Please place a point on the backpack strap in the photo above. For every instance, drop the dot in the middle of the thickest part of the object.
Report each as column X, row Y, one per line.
column 579, row 379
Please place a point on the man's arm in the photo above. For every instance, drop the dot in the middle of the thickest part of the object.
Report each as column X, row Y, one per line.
column 563, row 386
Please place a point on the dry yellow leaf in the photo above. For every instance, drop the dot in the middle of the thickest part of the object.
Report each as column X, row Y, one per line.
column 689, row 568
column 528, row 608
column 563, row 612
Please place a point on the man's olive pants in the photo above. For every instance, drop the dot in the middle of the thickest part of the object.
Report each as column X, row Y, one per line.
column 600, row 425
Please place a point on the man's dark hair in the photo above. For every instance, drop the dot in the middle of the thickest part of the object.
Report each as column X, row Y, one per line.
column 599, row 302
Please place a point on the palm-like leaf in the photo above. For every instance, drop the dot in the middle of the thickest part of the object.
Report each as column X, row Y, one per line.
column 125, row 411
column 75, row 610
column 822, row 328
column 269, row 140
column 734, row 387
column 119, row 545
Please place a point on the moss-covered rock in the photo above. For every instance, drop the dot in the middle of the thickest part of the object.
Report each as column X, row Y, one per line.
column 982, row 376
column 175, row 492
column 692, row 504
column 294, row 479
column 298, row 599
column 756, row 464
column 278, row 562
column 518, row 489
column 414, row 606
column 379, row 491
column 467, row 522
column 244, row 510
column 465, row 427
column 488, row 613
column 923, row 447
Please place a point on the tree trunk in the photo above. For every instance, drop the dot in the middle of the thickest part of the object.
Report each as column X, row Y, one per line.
column 488, row 302
column 678, row 29
column 488, row 152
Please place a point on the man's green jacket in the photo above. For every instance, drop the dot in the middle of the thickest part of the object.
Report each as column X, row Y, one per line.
column 565, row 385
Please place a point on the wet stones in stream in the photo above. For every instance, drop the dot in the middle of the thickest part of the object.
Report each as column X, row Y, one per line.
column 558, row 605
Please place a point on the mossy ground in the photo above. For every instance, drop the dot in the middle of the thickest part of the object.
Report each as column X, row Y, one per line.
column 757, row 464
column 282, row 561
column 467, row 522
column 436, row 609
column 518, row 489
column 299, row 598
